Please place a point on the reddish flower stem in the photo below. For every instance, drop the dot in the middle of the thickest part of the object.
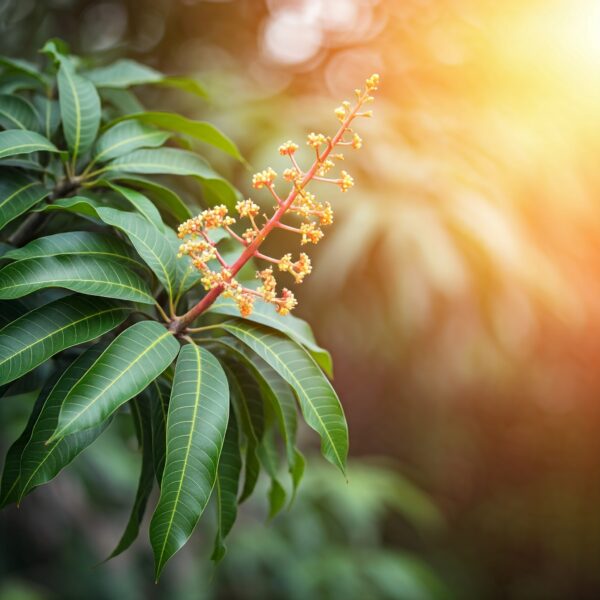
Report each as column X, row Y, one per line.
column 178, row 324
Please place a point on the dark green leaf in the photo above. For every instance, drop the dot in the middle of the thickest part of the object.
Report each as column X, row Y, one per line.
column 17, row 195
column 24, row 67
column 45, row 331
column 159, row 392
column 171, row 161
column 141, row 409
column 197, row 421
column 296, row 328
column 42, row 461
column 21, row 141
column 84, row 274
column 79, row 109
column 133, row 360
column 123, row 73
column 17, row 113
column 82, row 243
column 141, row 204
column 125, row 137
column 319, row 402
column 152, row 245
column 49, row 111
column 228, row 481
column 200, row 130
column 166, row 200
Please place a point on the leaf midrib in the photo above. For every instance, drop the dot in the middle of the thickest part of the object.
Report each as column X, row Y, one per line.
column 17, row 192
column 57, row 331
column 111, row 384
column 187, row 455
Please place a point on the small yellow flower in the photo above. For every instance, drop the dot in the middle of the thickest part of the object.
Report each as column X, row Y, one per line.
column 288, row 148
column 372, row 82
column 245, row 303
column 316, row 139
column 292, row 175
column 346, row 182
column 269, row 285
column 310, row 233
column 326, row 215
column 250, row 235
column 264, row 178
column 340, row 113
column 286, row 303
column 325, row 167
column 247, row 208
column 356, row 141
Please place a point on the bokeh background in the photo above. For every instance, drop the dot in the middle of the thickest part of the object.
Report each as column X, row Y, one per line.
column 458, row 291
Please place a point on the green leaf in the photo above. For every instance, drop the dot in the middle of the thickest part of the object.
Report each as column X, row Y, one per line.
column 319, row 402
column 123, row 101
column 200, row 130
column 267, row 452
column 126, row 73
column 159, row 392
column 23, row 67
column 17, row 195
column 141, row 409
column 21, row 141
column 84, row 274
column 228, row 481
column 123, row 73
column 125, row 137
column 42, row 461
column 81, row 243
column 296, row 328
column 134, row 359
column 247, row 403
column 187, row 84
column 79, row 109
column 49, row 111
column 276, row 392
column 36, row 336
column 166, row 200
column 76, row 204
column 197, row 421
column 17, row 113
column 171, row 161
column 152, row 245
column 9, row 485
column 141, row 204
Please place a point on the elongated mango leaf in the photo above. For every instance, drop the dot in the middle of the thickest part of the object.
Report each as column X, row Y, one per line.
column 17, row 113
column 159, row 392
column 126, row 73
column 133, row 360
column 247, row 403
column 45, row 331
column 228, row 482
column 83, row 243
column 49, row 112
column 84, row 274
column 275, row 391
column 269, row 458
column 200, row 130
column 23, row 67
column 123, row 73
column 79, row 109
column 171, row 161
column 141, row 204
column 9, row 485
column 196, row 425
column 126, row 137
column 21, row 141
column 319, row 402
column 123, row 101
column 76, row 204
column 17, row 195
column 141, row 409
column 151, row 244
column 166, row 199
column 296, row 328
column 41, row 461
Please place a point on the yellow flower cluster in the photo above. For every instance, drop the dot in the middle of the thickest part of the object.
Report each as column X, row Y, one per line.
column 298, row 201
column 264, row 178
column 288, row 148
